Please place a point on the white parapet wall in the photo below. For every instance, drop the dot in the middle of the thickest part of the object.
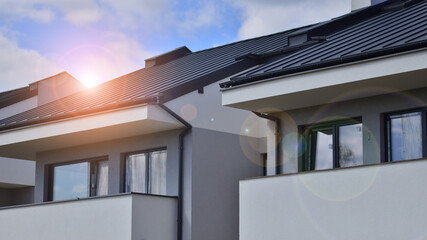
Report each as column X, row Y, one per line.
column 387, row 201
column 127, row 217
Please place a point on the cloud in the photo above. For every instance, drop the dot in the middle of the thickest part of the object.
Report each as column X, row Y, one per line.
column 206, row 14
column 17, row 9
column 77, row 12
column 269, row 16
column 21, row 66
column 134, row 14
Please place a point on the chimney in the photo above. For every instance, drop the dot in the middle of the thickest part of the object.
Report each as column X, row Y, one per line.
column 359, row 4
column 167, row 57
column 56, row 87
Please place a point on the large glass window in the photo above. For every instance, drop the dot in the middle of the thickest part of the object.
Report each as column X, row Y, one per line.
column 146, row 172
column 405, row 136
column 333, row 145
column 79, row 180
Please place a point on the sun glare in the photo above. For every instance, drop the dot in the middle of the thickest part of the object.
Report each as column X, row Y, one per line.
column 89, row 80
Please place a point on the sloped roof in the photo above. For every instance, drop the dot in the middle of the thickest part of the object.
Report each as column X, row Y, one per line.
column 170, row 79
column 392, row 27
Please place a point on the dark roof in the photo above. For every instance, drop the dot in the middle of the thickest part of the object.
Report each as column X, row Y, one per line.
column 384, row 29
column 171, row 79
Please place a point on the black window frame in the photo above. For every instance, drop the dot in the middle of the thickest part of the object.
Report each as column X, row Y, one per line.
column 147, row 167
column 387, row 132
column 305, row 142
column 93, row 169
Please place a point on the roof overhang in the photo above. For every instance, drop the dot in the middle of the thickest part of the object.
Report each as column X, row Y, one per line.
column 389, row 74
column 25, row 142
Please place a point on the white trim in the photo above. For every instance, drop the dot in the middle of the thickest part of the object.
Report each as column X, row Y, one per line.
column 24, row 142
column 324, row 78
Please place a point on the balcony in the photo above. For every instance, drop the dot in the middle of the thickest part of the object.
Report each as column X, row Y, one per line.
column 385, row 201
column 125, row 216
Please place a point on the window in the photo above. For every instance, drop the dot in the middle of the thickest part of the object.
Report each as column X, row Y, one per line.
column 79, row 180
column 146, row 172
column 333, row 145
column 406, row 135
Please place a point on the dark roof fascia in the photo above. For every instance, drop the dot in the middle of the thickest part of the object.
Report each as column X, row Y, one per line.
column 17, row 95
column 335, row 62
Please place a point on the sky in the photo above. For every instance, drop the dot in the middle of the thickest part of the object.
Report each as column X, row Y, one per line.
column 98, row 40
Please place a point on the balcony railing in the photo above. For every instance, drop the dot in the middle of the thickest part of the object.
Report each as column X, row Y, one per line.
column 124, row 216
column 384, row 201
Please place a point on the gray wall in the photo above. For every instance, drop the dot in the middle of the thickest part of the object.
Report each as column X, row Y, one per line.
column 114, row 151
column 219, row 161
column 369, row 109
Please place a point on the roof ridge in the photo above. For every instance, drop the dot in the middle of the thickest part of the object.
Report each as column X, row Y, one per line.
column 256, row 38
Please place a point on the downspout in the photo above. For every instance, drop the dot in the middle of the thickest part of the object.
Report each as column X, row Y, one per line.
column 181, row 165
column 277, row 134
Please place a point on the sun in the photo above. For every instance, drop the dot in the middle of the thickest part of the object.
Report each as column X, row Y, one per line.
column 89, row 80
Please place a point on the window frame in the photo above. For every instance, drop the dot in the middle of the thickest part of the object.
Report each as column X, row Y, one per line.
column 387, row 131
column 147, row 167
column 93, row 162
column 305, row 142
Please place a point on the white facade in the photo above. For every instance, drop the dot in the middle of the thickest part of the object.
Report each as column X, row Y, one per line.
column 386, row 201
column 128, row 217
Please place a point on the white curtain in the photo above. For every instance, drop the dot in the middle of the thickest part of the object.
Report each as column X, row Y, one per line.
column 158, row 172
column 102, row 179
column 135, row 173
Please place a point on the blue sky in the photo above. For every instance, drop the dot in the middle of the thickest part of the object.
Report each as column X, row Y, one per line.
column 103, row 39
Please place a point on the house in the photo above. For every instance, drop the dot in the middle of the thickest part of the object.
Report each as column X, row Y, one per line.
column 150, row 155
column 333, row 113
column 349, row 99
column 17, row 177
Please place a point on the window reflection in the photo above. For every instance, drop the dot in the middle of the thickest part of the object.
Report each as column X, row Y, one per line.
column 350, row 145
column 337, row 144
column 405, row 141
column 71, row 181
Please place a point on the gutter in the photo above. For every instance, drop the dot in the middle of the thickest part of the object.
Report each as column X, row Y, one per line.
column 188, row 127
column 277, row 134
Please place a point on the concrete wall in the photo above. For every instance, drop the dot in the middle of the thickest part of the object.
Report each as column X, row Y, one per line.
column 16, row 173
column 70, row 220
column 219, row 161
column 17, row 196
column 56, row 87
column 128, row 217
column 385, row 201
column 369, row 109
column 114, row 151
column 154, row 218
